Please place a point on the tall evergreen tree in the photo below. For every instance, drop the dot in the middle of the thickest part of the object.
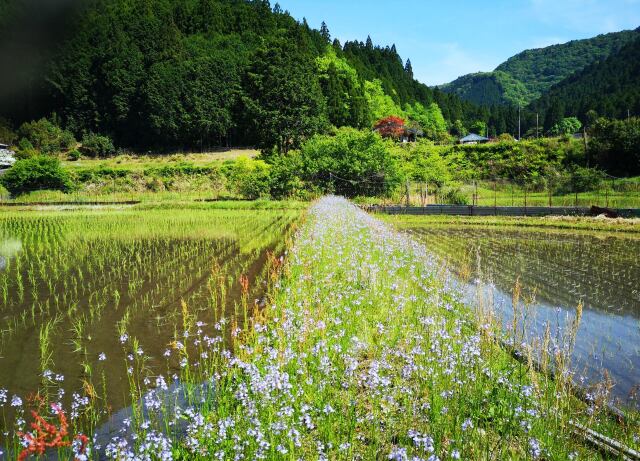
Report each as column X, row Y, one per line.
column 324, row 32
column 369, row 44
column 284, row 96
column 409, row 69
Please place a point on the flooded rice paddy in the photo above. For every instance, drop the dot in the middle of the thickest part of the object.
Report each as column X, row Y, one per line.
column 87, row 297
column 556, row 270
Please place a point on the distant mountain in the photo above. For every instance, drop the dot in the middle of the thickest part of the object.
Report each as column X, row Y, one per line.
column 610, row 87
column 527, row 75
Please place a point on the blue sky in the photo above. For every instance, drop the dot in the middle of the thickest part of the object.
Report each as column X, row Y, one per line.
column 446, row 39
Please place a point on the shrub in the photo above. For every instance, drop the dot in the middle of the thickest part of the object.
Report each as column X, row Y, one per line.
column 453, row 196
column 46, row 136
column 285, row 181
column 250, row 178
column 566, row 126
column 585, row 179
column 506, row 137
column 36, row 173
column 423, row 163
column 95, row 145
column 7, row 135
column 67, row 140
column 615, row 146
column 74, row 155
column 25, row 149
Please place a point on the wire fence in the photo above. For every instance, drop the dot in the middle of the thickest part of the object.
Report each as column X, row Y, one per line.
column 608, row 192
column 611, row 192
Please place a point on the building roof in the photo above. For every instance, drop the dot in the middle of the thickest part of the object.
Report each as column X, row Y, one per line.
column 6, row 158
column 473, row 138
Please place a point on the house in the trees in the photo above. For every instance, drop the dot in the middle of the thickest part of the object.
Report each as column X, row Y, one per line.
column 474, row 139
column 411, row 134
column 7, row 157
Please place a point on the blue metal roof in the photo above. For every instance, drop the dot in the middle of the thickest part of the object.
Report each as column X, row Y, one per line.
column 473, row 138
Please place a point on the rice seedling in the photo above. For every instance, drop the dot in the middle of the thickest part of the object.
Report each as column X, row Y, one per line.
column 553, row 271
column 84, row 280
column 364, row 346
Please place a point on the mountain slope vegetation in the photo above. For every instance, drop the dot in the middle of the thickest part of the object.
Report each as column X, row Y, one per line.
column 194, row 73
column 489, row 88
column 611, row 88
column 527, row 75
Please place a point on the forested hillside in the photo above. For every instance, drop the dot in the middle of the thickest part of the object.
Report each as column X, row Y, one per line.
column 192, row 73
column 611, row 88
column 489, row 88
column 527, row 75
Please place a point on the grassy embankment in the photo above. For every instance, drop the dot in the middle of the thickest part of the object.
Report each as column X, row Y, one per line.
column 515, row 196
column 181, row 177
column 557, row 222
column 363, row 353
column 624, row 193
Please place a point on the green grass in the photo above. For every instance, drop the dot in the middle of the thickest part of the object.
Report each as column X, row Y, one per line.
column 138, row 162
column 361, row 352
column 503, row 197
column 623, row 193
column 631, row 226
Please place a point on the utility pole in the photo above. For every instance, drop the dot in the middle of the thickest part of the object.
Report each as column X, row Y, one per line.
column 519, row 129
column 537, row 119
column 628, row 114
column 408, row 192
column 586, row 145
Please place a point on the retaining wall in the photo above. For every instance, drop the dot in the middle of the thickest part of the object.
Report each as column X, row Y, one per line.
column 469, row 210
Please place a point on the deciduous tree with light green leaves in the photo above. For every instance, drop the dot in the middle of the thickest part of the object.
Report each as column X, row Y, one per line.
column 381, row 105
column 567, row 125
column 351, row 163
column 346, row 102
column 429, row 118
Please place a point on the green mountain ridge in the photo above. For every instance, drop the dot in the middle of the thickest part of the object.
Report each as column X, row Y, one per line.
column 610, row 87
column 526, row 76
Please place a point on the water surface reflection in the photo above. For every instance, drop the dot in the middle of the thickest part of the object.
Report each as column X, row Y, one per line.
column 557, row 270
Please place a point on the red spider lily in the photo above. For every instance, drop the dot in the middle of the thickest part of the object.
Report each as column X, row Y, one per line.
column 46, row 435
column 244, row 282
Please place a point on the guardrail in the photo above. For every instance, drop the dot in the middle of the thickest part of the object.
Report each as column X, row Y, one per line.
column 470, row 210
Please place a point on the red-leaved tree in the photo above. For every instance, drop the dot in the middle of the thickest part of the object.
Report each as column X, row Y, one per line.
column 390, row 127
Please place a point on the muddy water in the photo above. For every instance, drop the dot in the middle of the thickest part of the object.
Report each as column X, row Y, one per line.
column 80, row 292
column 557, row 270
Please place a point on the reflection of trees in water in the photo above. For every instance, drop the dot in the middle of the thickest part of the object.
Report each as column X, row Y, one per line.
column 8, row 249
column 563, row 267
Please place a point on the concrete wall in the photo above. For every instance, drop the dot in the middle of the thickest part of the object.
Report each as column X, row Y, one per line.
column 468, row 210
